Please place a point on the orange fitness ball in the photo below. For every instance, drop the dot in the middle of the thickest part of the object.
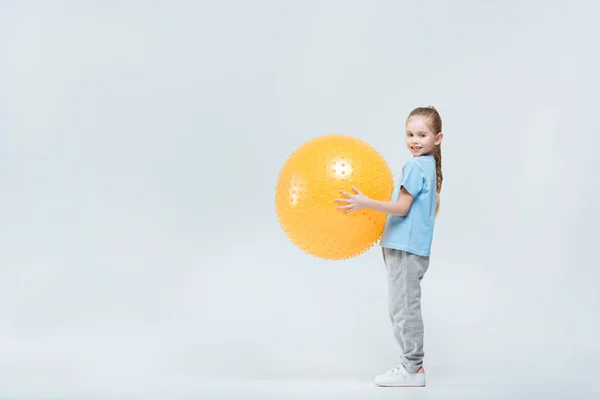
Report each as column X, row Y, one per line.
column 308, row 185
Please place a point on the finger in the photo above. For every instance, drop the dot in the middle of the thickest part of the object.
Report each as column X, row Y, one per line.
column 356, row 190
column 342, row 200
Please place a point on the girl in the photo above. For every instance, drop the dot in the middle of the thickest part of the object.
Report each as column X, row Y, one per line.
column 406, row 240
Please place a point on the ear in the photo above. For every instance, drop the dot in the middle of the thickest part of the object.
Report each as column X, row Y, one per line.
column 438, row 138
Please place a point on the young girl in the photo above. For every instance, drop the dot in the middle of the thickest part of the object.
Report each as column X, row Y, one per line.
column 406, row 240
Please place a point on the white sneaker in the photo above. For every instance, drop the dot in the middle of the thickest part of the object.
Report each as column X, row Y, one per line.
column 399, row 376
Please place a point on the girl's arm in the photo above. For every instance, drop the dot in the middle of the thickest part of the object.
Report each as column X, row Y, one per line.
column 359, row 201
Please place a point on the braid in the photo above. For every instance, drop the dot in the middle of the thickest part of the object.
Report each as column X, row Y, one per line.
column 435, row 124
column 437, row 155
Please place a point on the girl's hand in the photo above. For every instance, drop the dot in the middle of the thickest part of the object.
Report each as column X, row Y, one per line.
column 354, row 201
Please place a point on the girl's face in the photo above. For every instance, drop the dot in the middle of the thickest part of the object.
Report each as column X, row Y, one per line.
column 419, row 138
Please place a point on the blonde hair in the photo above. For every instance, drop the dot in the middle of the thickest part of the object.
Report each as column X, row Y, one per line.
column 435, row 124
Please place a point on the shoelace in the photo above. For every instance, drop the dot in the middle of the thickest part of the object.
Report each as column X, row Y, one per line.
column 396, row 370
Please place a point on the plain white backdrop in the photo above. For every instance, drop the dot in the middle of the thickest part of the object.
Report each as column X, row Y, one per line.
column 140, row 143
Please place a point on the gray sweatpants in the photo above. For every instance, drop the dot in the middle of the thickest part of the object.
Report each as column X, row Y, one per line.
column 405, row 272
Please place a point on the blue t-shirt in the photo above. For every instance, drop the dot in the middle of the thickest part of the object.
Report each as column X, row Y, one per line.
column 414, row 231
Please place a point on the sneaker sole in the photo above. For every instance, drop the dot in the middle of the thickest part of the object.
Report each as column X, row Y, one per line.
column 392, row 385
column 407, row 384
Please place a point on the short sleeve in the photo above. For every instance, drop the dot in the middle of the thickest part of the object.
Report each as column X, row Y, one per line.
column 412, row 179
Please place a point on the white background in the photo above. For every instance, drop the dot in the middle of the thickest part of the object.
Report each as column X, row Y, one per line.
column 140, row 144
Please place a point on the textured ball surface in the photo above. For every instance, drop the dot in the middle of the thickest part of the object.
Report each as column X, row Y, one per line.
column 308, row 185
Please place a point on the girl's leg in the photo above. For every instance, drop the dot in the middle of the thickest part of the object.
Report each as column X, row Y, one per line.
column 405, row 272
